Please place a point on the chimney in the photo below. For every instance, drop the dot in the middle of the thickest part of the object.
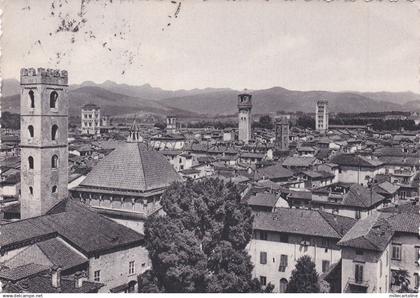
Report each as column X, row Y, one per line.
column 79, row 278
column 56, row 276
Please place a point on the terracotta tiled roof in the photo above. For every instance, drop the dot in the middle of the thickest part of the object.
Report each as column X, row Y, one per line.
column 22, row 272
column 276, row 171
column 302, row 221
column 132, row 166
column 82, row 227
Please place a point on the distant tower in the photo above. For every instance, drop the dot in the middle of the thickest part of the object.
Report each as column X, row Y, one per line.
column 91, row 120
column 244, row 107
column 321, row 116
column 43, row 134
column 282, row 133
column 105, row 121
column 134, row 136
column 171, row 124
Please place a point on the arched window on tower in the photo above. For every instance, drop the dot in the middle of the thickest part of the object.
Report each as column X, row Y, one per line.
column 53, row 100
column 54, row 130
column 54, row 162
column 54, row 189
column 31, row 162
column 31, row 190
column 31, row 99
column 31, row 131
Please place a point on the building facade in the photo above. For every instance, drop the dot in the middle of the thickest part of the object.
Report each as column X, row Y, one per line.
column 91, row 120
column 44, row 109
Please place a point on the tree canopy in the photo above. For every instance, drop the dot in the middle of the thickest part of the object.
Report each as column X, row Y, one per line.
column 199, row 245
column 304, row 277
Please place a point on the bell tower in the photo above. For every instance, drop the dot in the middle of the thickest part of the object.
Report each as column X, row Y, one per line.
column 244, row 107
column 43, row 135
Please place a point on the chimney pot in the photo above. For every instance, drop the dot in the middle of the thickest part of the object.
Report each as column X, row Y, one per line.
column 56, row 276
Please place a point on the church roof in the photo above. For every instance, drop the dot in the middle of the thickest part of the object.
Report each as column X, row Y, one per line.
column 132, row 166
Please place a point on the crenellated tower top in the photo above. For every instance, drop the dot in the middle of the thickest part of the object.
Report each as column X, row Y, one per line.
column 29, row 76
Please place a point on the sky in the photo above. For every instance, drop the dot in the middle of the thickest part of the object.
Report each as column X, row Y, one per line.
column 299, row 45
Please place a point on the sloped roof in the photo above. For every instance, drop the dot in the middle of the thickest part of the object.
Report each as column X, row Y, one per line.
column 359, row 196
column 372, row 232
column 60, row 254
column 82, row 227
column 263, row 199
column 299, row 161
column 132, row 166
column 355, row 160
column 388, row 187
column 302, row 221
column 273, row 172
column 21, row 272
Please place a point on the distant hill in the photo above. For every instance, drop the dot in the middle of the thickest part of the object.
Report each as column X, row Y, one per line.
column 145, row 91
column 274, row 99
column 110, row 103
column 122, row 99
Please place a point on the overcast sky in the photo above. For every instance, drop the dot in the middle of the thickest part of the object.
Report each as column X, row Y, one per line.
column 249, row 44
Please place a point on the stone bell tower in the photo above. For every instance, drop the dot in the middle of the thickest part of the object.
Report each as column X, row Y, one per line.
column 43, row 134
column 244, row 107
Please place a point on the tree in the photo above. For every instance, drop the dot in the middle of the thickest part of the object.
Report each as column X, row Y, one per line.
column 199, row 245
column 401, row 278
column 304, row 277
column 266, row 122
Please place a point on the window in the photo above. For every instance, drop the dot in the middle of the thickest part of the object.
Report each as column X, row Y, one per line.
column 387, row 257
column 416, row 280
column 325, row 265
column 358, row 214
column 263, row 235
column 283, row 263
column 54, row 161
column 53, row 100
column 325, row 244
column 284, row 238
column 358, row 273
column 31, row 162
column 31, row 131
column 97, row 275
column 263, row 257
column 54, row 130
column 131, row 267
column 263, row 280
column 396, row 251
column 31, row 99
column 31, row 190
column 54, row 189
column 417, row 254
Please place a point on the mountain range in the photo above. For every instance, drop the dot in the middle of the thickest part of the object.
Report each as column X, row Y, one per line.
column 122, row 99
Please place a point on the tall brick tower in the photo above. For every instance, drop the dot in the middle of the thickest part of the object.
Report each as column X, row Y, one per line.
column 244, row 107
column 282, row 133
column 43, row 135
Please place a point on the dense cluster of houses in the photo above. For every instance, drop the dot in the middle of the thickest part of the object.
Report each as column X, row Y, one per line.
column 346, row 196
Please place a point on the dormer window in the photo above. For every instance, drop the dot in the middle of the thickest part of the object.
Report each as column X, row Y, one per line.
column 31, row 99
column 53, row 100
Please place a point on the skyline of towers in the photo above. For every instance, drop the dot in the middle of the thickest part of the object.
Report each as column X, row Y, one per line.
column 43, row 134
column 244, row 115
column 321, row 116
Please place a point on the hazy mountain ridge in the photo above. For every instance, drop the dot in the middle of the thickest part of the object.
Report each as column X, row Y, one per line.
column 117, row 99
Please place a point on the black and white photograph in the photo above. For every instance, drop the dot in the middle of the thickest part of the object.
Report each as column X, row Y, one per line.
column 214, row 146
